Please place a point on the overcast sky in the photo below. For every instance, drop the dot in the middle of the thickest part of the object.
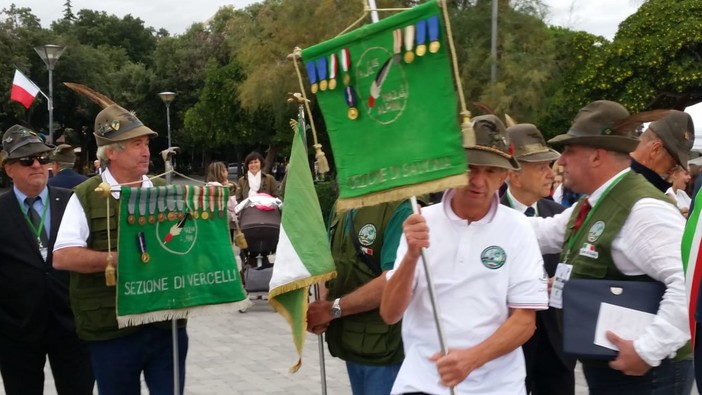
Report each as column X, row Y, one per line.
column 595, row 16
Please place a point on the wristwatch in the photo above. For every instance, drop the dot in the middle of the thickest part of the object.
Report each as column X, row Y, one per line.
column 336, row 308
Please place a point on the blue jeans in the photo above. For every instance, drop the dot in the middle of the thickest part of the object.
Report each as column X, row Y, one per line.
column 118, row 363
column 670, row 378
column 370, row 379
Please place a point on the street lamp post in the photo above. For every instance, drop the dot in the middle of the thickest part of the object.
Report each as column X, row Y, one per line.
column 167, row 98
column 50, row 54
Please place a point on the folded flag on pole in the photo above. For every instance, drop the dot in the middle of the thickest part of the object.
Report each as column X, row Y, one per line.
column 23, row 90
column 692, row 260
column 303, row 256
column 392, row 117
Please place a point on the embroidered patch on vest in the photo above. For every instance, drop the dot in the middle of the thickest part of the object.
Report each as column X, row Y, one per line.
column 493, row 257
column 595, row 231
column 589, row 251
column 367, row 234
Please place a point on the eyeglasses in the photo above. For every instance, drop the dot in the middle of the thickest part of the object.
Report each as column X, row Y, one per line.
column 29, row 160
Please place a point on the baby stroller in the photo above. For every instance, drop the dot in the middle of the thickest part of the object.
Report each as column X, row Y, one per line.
column 259, row 220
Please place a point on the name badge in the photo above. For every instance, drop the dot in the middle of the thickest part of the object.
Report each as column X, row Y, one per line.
column 562, row 275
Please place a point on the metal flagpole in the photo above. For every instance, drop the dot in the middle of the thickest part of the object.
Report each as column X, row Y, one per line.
column 320, row 346
column 167, row 155
column 320, row 337
column 432, row 295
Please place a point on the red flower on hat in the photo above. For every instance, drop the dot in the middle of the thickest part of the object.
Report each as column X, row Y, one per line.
column 510, row 150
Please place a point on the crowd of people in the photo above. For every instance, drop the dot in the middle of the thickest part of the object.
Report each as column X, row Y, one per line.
column 611, row 206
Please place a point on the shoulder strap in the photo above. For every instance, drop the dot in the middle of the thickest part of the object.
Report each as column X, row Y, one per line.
column 372, row 264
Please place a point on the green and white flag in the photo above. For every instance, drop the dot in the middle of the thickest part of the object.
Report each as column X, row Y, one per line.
column 388, row 97
column 303, row 256
column 175, row 254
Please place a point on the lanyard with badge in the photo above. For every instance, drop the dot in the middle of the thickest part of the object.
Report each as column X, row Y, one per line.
column 564, row 269
column 37, row 231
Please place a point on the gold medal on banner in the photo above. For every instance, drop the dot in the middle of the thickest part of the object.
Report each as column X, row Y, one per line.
column 130, row 219
column 145, row 258
column 421, row 50
column 161, row 217
column 353, row 113
column 152, row 219
column 409, row 57
column 181, row 215
column 434, row 47
column 332, row 84
column 205, row 215
column 142, row 221
column 323, row 85
column 172, row 216
column 196, row 214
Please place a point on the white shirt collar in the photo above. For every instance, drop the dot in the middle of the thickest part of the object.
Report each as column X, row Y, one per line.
column 115, row 187
column 448, row 210
column 595, row 196
column 517, row 205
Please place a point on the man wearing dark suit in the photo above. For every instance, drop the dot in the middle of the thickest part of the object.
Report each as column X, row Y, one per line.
column 549, row 371
column 35, row 317
column 63, row 158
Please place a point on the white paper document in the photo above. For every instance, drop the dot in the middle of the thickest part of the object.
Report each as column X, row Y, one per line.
column 626, row 323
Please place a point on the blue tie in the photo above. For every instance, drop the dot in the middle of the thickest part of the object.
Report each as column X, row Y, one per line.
column 529, row 212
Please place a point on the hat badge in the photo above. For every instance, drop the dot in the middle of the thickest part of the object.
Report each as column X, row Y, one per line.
column 115, row 125
column 8, row 139
column 607, row 131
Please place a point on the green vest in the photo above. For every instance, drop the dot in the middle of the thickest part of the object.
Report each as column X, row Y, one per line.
column 92, row 301
column 605, row 222
column 361, row 338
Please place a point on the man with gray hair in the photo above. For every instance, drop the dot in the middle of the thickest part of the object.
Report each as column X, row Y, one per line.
column 663, row 148
column 63, row 158
column 119, row 355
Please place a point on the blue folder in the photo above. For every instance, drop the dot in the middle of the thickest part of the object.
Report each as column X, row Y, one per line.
column 581, row 306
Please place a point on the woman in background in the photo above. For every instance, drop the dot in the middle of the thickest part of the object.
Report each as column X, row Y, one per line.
column 255, row 180
column 218, row 176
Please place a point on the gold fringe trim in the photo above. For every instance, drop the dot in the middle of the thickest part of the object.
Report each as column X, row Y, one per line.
column 167, row 315
column 277, row 306
column 404, row 192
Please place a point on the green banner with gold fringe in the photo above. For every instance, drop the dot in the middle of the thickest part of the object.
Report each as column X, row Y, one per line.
column 389, row 103
column 175, row 254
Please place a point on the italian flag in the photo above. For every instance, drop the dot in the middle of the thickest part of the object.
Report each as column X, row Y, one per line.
column 692, row 260
column 23, row 90
column 303, row 256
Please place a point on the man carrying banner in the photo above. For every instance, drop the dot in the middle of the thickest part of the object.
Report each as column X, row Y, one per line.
column 549, row 370
column 623, row 229
column 119, row 355
column 363, row 243
column 35, row 316
column 489, row 280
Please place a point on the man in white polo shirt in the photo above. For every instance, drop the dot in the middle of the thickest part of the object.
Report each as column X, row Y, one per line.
column 489, row 278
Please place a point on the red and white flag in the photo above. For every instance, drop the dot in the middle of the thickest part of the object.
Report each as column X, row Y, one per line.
column 23, row 89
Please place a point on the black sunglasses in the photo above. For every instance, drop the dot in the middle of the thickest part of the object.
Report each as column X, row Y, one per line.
column 29, row 160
